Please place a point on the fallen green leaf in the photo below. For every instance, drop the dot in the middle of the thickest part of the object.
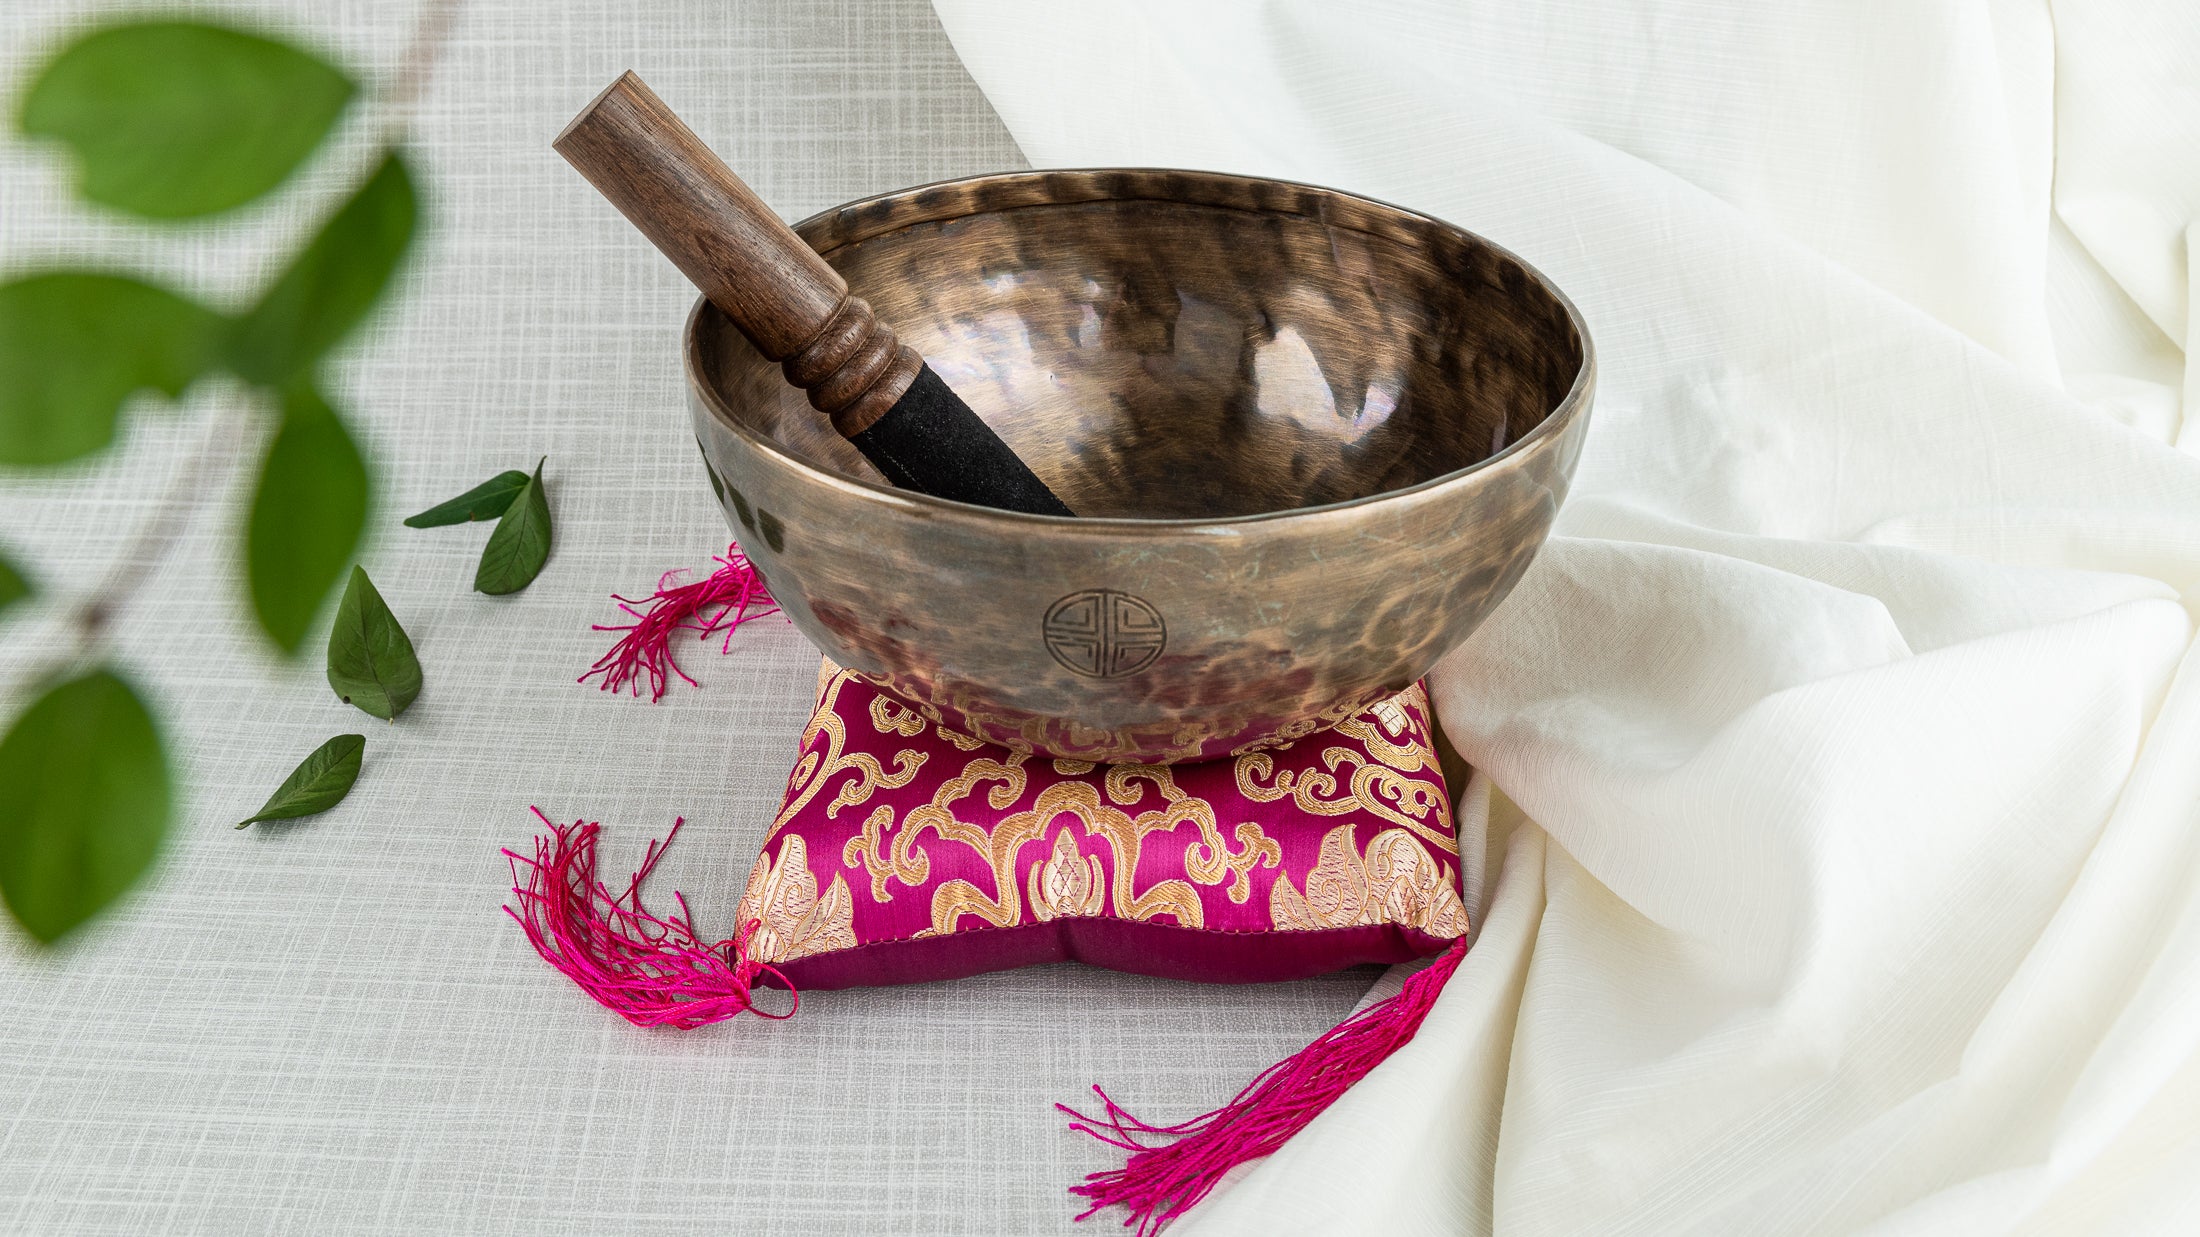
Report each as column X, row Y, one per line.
column 84, row 800
column 520, row 545
column 308, row 512
column 488, row 499
column 13, row 587
column 370, row 658
column 179, row 119
column 74, row 345
column 330, row 286
column 319, row 783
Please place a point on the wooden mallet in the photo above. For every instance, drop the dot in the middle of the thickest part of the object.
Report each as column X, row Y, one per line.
column 793, row 307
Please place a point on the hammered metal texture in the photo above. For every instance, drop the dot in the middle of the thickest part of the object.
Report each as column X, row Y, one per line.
column 1316, row 439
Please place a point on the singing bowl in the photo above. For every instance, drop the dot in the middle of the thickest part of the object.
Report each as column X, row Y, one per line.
column 1314, row 439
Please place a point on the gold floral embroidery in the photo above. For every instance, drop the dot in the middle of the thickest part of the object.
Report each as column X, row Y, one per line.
column 1209, row 860
column 1410, row 887
column 890, row 716
column 1389, row 738
column 1335, row 890
column 816, row 768
column 1377, row 780
column 1253, row 845
column 900, row 859
column 1121, row 831
column 1327, row 719
column 1067, row 884
column 1396, row 882
column 793, row 920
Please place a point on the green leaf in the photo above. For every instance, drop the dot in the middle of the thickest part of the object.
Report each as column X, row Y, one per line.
column 319, row 783
column 13, row 587
column 490, row 498
column 307, row 516
column 84, row 799
column 176, row 119
column 74, row 345
column 332, row 284
column 520, row 545
column 370, row 658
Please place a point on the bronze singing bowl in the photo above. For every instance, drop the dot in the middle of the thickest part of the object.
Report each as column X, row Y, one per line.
column 1315, row 440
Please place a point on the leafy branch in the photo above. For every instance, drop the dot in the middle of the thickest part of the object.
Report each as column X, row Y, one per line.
column 172, row 121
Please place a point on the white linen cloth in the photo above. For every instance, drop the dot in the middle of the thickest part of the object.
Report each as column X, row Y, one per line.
column 328, row 1027
column 1851, row 714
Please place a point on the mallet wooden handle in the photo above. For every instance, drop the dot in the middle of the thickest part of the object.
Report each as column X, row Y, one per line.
column 785, row 299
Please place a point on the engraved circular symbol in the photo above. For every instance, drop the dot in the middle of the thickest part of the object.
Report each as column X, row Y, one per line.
column 1103, row 634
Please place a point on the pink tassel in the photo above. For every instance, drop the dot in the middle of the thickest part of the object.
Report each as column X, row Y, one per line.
column 652, row 972
column 720, row 603
column 1163, row 1180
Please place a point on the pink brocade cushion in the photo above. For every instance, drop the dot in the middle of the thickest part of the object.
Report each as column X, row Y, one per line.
column 905, row 852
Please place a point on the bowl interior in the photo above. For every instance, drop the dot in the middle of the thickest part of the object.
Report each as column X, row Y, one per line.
column 1184, row 345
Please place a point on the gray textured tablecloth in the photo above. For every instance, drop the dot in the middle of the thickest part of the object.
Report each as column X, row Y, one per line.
column 330, row 1027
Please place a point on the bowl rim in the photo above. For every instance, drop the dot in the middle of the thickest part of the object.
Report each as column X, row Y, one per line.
column 1572, row 407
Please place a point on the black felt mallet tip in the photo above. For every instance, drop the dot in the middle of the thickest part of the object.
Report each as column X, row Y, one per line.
column 931, row 442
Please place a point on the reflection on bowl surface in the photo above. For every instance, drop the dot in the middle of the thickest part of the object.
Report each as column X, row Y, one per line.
column 1279, row 403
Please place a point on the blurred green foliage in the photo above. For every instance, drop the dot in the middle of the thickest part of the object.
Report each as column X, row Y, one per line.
column 330, row 286
column 74, row 345
column 13, row 587
column 172, row 120
column 87, row 799
column 307, row 514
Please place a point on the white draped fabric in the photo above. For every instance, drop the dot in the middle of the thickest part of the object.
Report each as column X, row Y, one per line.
column 1842, row 749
